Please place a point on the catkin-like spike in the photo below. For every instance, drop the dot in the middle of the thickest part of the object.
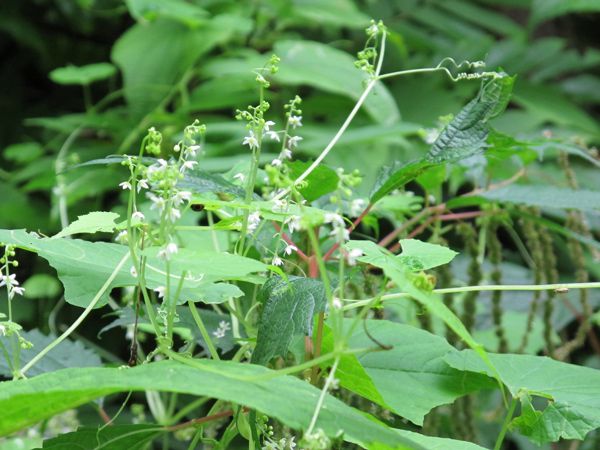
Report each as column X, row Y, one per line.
column 469, row 236
column 495, row 254
column 534, row 244
column 551, row 274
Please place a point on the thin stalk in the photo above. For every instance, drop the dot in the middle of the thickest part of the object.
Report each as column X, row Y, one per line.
column 321, row 400
column 505, row 424
column 203, row 331
column 80, row 319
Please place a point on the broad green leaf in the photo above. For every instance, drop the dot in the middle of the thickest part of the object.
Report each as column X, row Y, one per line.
column 289, row 399
column 180, row 10
column 543, row 10
column 200, row 182
column 82, row 75
column 64, row 355
column 21, row 443
column 574, row 408
column 323, row 180
column 93, row 222
column 436, row 443
column 546, row 197
column 396, row 176
column 319, row 65
column 466, row 134
column 84, row 266
column 114, row 437
column 412, row 376
column 24, row 152
column 340, row 13
column 288, row 310
column 41, row 285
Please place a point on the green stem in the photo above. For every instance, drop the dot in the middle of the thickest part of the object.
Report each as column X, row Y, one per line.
column 81, row 318
column 321, row 400
column 491, row 287
column 203, row 331
column 507, row 419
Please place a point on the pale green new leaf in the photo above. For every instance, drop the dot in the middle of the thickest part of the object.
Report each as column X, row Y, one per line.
column 83, row 75
column 93, row 222
column 187, row 13
column 286, row 398
column 574, row 409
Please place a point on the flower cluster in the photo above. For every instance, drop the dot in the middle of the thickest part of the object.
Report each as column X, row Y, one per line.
column 368, row 55
column 7, row 279
column 222, row 330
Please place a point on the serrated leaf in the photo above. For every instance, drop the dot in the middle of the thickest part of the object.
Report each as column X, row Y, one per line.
column 466, row 134
column 200, row 182
column 289, row 307
column 396, row 176
column 323, row 180
column 64, row 355
column 412, row 377
column 83, row 75
column 290, row 400
column 574, row 408
column 83, row 267
column 94, row 222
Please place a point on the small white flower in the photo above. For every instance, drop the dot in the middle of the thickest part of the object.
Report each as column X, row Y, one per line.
column 142, row 184
column 286, row 154
column 17, row 290
column 253, row 221
column 352, row 255
column 182, row 196
column 372, row 30
column 274, row 136
column 293, row 141
column 334, row 219
column 222, row 330
column 239, row 176
column 174, row 214
column 133, row 272
column 122, row 237
column 268, row 125
column 162, row 163
column 2, row 330
column 357, row 206
column 160, row 291
column 340, row 233
column 177, row 148
column 125, row 185
column 192, row 150
column 251, row 141
column 277, row 261
column 293, row 223
column 11, row 280
column 279, row 205
column 188, row 165
column 157, row 202
column 290, row 249
column 276, row 162
column 170, row 249
column 138, row 215
column 295, row 121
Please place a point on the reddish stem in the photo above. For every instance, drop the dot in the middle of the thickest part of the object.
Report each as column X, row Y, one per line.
column 289, row 241
column 460, row 216
column 200, row 420
column 387, row 240
column 351, row 228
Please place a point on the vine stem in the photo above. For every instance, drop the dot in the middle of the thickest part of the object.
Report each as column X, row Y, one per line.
column 211, row 347
column 505, row 424
column 344, row 126
column 80, row 319
column 491, row 287
column 321, row 400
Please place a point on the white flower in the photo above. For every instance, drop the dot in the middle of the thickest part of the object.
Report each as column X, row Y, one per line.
column 17, row 290
column 170, row 249
column 251, row 141
column 192, row 150
column 290, row 249
column 222, row 330
column 138, row 215
column 286, row 154
column 334, row 219
column 182, row 196
column 162, row 163
column 239, row 176
column 293, row 223
column 143, row 183
column 161, row 290
column 340, row 233
column 293, row 141
column 176, row 148
column 352, row 255
column 268, row 125
column 174, row 214
column 279, row 205
column 125, row 185
column 157, row 202
column 273, row 135
column 253, row 221
column 276, row 162
column 277, row 261
column 188, row 165
column 357, row 206
column 133, row 272
column 295, row 121
column 122, row 237
column 11, row 280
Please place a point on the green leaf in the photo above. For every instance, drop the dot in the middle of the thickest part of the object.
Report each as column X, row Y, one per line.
column 466, row 134
column 290, row 400
column 320, row 65
column 41, row 285
column 396, row 176
column 574, row 409
column 546, row 197
column 83, row 267
column 21, row 443
column 544, row 10
column 94, row 222
column 340, row 13
column 64, row 355
column 412, row 376
column 437, row 443
column 323, row 180
column 289, row 307
column 114, row 437
column 200, row 182
column 179, row 10
column 24, row 152
column 83, row 75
